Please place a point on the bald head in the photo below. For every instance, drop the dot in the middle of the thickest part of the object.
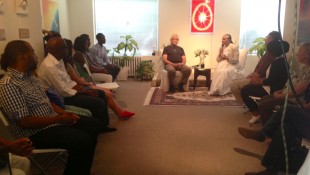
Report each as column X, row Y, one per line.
column 57, row 47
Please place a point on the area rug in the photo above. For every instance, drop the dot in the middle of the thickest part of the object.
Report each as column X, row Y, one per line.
column 197, row 97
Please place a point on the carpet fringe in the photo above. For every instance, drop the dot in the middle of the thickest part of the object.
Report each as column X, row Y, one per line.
column 149, row 96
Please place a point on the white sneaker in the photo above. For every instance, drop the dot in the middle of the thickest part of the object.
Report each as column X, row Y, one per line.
column 254, row 119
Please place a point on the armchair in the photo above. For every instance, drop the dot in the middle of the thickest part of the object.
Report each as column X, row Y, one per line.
column 164, row 81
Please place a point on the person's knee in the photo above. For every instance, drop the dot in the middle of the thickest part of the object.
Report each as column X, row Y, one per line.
column 244, row 93
column 188, row 71
column 16, row 171
column 21, row 163
column 170, row 70
column 83, row 141
column 109, row 78
column 233, row 85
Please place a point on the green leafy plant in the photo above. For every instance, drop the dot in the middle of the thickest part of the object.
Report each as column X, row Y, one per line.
column 125, row 47
column 258, row 46
column 145, row 70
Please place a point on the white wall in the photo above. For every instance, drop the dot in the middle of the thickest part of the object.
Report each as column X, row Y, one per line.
column 63, row 19
column 81, row 18
column 288, row 33
column 76, row 17
column 174, row 17
column 11, row 22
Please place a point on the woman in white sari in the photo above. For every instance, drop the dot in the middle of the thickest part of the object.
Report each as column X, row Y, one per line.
column 226, row 70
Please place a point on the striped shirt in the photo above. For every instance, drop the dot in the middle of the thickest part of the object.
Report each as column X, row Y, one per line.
column 21, row 97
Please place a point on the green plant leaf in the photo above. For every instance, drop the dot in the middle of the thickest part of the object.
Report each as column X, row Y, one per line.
column 128, row 37
column 258, row 46
column 259, row 40
column 129, row 45
column 116, row 50
column 261, row 47
column 121, row 46
column 134, row 42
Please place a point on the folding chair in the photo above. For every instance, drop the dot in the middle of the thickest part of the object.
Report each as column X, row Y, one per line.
column 42, row 165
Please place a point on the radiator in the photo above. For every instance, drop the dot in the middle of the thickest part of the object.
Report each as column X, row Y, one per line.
column 132, row 64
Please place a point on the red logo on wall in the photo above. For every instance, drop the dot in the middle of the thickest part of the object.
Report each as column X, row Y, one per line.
column 202, row 16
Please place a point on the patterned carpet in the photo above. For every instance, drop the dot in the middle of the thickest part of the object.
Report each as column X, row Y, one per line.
column 198, row 97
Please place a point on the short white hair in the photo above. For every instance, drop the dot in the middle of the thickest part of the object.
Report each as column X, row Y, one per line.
column 174, row 36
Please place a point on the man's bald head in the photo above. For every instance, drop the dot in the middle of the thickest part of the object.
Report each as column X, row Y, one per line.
column 57, row 47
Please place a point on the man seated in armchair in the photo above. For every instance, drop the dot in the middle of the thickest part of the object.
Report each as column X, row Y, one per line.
column 174, row 58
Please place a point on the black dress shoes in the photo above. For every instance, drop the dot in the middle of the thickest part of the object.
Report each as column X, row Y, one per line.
column 171, row 89
column 108, row 129
column 251, row 134
column 181, row 89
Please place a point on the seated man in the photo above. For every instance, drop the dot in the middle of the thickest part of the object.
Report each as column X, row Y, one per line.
column 32, row 116
column 21, row 148
column 99, row 56
column 175, row 59
column 52, row 73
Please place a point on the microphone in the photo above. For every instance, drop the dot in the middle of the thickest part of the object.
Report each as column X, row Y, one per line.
column 222, row 48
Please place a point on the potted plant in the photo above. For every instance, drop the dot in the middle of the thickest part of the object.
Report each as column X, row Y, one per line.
column 145, row 70
column 123, row 50
column 258, row 46
column 125, row 47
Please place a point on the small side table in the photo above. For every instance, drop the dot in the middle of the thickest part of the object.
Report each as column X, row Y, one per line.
column 205, row 72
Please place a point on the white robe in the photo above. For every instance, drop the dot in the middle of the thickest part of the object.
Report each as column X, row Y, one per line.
column 226, row 71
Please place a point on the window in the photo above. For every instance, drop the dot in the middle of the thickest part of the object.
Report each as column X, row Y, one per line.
column 258, row 18
column 138, row 18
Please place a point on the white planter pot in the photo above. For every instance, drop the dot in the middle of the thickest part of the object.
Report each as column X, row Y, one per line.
column 123, row 74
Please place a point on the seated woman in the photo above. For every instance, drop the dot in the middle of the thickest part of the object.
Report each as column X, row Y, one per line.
column 81, row 47
column 75, row 76
column 226, row 70
column 276, row 79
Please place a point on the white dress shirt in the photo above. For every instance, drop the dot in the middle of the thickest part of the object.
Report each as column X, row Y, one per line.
column 99, row 55
column 52, row 73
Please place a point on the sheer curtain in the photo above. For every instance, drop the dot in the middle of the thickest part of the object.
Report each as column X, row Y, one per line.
column 138, row 18
column 258, row 18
